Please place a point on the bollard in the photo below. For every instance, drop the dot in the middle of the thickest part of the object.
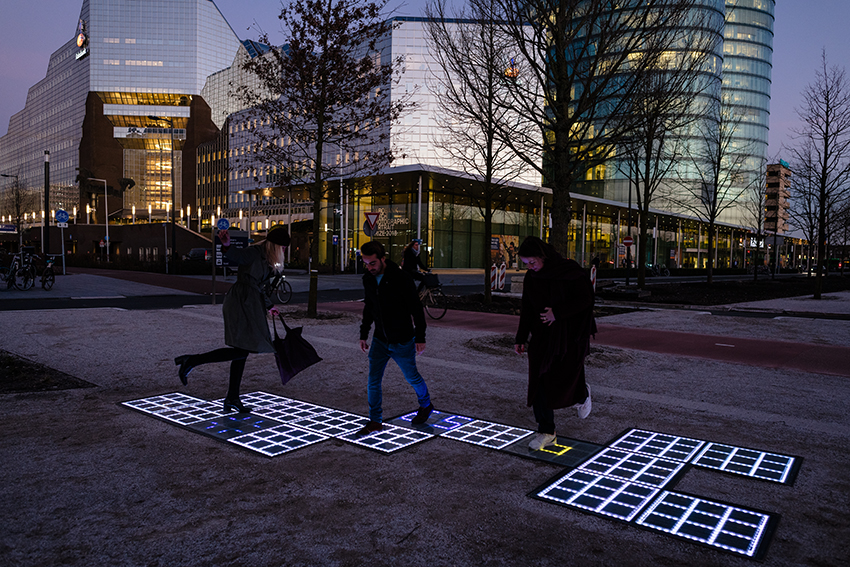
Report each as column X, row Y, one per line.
column 313, row 299
column 493, row 274
column 502, row 273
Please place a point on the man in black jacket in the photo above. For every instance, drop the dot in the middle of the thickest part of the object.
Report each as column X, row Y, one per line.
column 392, row 303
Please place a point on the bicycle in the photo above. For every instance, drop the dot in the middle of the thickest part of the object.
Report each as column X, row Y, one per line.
column 280, row 288
column 48, row 276
column 21, row 274
column 432, row 297
column 659, row 270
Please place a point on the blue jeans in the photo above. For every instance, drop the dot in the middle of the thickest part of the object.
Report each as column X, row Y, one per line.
column 404, row 355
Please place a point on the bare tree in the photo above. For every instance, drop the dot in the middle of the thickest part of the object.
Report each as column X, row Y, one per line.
column 322, row 106
column 804, row 199
column 472, row 76
column 663, row 106
column 754, row 203
column 17, row 202
column 580, row 62
column 824, row 149
column 718, row 174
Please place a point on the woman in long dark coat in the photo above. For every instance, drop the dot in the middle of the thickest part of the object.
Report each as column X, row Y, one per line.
column 246, row 328
column 557, row 311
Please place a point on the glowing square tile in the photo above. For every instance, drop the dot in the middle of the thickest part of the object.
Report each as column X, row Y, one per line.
column 292, row 410
column 437, row 424
column 487, row 434
column 658, row 444
column 176, row 407
column 258, row 400
column 333, row 423
column 233, row 425
column 633, row 467
column 748, row 462
column 565, row 452
column 732, row 528
column 277, row 440
column 389, row 439
column 593, row 492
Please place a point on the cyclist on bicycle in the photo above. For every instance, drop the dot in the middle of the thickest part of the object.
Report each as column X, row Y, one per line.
column 411, row 262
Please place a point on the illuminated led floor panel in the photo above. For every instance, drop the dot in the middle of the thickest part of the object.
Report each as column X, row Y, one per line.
column 731, row 528
column 749, row 462
column 277, row 440
column 177, row 408
column 263, row 400
column 658, row 444
column 232, row 425
column 437, row 424
column 634, row 467
column 292, row 410
column 389, row 439
column 332, row 423
column 593, row 492
column 487, row 434
column 565, row 451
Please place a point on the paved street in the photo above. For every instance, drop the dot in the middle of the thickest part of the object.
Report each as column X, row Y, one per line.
column 86, row 481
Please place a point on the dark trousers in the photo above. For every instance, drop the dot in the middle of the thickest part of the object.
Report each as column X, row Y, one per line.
column 237, row 356
column 543, row 415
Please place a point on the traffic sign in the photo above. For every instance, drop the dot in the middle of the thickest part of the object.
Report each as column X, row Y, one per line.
column 61, row 216
column 62, row 224
column 102, row 243
column 223, row 224
column 628, row 241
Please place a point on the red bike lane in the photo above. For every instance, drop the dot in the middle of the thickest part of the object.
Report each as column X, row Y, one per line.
column 823, row 359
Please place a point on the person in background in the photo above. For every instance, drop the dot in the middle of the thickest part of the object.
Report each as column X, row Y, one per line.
column 392, row 304
column 557, row 311
column 411, row 261
column 246, row 329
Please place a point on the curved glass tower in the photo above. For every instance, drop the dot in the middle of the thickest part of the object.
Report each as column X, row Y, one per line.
column 747, row 65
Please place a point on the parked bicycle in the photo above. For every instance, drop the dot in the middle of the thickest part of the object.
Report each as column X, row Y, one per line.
column 433, row 299
column 48, row 276
column 659, row 270
column 21, row 274
column 278, row 288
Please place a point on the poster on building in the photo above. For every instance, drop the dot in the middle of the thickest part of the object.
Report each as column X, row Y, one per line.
column 503, row 248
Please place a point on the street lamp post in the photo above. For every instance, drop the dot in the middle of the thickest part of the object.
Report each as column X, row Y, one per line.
column 173, row 200
column 105, row 214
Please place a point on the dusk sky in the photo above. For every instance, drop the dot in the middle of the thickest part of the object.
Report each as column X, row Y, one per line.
column 34, row 29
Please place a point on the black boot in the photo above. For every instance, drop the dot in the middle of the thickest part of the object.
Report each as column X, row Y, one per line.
column 230, row 404
column 185, row 368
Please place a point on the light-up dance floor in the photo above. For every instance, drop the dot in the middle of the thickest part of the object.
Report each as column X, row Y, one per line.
column 630, row 479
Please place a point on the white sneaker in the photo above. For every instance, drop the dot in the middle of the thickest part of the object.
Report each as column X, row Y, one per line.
column 542, row 440
column 584, row 408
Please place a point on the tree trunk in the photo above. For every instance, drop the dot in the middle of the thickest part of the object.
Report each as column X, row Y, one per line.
column 488, row 235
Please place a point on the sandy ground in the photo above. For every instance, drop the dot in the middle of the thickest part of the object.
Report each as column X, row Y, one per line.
column 86, row 481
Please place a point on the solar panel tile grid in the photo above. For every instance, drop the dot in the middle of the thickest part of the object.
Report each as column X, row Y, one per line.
column 258, row 400
column 633, row 467
column 390, row 439
column 278, row 440
column 487, row 434
column 658, row 444
column 719, row 525
column 443, row 422
column 333, row 423
column 600, row 494
column 292, row 410
column 747, row 462
column 178, row 408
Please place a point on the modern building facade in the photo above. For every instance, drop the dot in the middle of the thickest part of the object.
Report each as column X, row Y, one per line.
column 120, row 102
column 776, row 197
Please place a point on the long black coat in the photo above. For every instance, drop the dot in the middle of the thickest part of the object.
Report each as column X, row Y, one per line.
column 245, row 306
column 556, row 352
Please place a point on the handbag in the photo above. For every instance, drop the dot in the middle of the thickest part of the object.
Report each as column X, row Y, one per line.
column 292, row 353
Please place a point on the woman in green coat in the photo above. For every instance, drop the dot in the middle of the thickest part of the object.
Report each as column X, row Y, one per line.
column 246, row 328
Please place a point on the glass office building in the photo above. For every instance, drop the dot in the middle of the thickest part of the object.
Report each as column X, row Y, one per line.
column 120, row 101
